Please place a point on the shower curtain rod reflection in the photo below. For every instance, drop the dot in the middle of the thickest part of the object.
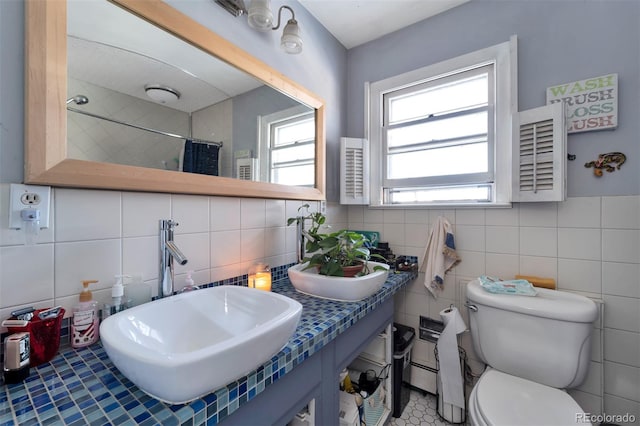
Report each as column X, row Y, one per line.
column 159, row 132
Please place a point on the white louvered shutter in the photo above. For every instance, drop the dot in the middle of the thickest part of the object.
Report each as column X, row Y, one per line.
column 246, row 168
column 540, row 155
column 354, row 171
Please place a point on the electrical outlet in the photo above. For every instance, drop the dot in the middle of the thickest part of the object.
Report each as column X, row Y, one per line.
column 29, row 197
column 323, row 207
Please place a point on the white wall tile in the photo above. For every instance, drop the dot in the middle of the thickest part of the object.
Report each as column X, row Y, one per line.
column 470, row 217
column 502, row 239
column 622, row 380
column 621, row 279
column 503, row 216
column 546, row 267
column 579, row 243
column 373, row 216
column 225, row 248
column 227, row 271
column 580, row 212
column 417, row 216
column 505, row 266
column 393, row 216
column 252, row 213
column 393, row 233
column 469, row 237
column 191, row 212
column 614, row 405
column 416, row 235
column 275, row 211
column 537, row 241
column 26, row 274
column 622, row 313
column 86, row 260
column 622, row 347
column 83, row 215
column 588, row 402
column 622, row 212
column 252, row 244
column 621, row 245
column 140, row 256
column 274, row 241
column 196, row 248
column 539, row 214
column 472, row 263
column 142, row 212
column 579, row 275
column 225, row 213
column 355, row 214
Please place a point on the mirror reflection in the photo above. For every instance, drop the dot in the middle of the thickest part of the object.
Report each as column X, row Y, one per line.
column 143, row 97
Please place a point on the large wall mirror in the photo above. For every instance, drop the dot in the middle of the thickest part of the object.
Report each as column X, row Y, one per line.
column 162, row 104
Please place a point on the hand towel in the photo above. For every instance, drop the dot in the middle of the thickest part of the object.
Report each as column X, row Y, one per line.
column 439, row 256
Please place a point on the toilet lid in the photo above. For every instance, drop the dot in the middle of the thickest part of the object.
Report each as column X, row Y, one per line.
column 503, row 399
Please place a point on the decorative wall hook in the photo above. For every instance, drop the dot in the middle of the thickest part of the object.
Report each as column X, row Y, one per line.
column 609, row 162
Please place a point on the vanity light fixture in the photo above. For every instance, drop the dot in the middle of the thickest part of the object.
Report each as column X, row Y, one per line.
column 260, row 18
column 161, row 94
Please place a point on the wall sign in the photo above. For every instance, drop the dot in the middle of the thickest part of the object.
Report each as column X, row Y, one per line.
column 592, row 104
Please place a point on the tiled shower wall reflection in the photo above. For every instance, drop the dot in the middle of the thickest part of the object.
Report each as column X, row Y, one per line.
column 590, row 245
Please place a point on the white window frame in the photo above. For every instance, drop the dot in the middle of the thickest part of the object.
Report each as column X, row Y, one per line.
column 503, row 56
column 264, row 135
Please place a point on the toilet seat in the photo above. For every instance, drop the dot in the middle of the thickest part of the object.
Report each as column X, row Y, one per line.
column 502, row 399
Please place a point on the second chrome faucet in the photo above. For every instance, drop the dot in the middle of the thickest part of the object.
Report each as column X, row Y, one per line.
column 168, row 252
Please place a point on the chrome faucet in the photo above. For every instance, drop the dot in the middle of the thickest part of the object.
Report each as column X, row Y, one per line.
column 168, row 252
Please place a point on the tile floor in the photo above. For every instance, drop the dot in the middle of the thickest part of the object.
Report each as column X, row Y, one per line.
column 420, row 411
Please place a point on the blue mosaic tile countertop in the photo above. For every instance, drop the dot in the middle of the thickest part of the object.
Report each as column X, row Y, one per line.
column 83, row 387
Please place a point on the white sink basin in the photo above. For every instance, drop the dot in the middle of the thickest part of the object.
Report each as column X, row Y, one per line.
column 338, row 288
column 182, row 347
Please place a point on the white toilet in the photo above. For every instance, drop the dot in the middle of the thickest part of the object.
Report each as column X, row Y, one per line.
column 534, row 347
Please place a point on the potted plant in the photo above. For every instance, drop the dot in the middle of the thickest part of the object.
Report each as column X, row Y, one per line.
column 340, row 254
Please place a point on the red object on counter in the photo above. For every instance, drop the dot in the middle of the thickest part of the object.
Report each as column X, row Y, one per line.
column 44, row 335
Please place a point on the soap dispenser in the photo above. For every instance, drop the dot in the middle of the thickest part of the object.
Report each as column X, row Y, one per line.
column 117, row 294
column 189, row 284
column 84, row 326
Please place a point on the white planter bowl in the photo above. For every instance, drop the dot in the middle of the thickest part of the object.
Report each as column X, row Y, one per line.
column 338, row 288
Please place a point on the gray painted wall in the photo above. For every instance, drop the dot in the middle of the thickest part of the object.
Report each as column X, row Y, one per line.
column 321, row 67
column 559, row 42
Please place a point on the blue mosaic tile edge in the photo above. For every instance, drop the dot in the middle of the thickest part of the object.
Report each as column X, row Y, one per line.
column 83, row 387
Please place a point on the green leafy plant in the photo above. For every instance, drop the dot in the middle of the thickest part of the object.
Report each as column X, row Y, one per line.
column 332, row 252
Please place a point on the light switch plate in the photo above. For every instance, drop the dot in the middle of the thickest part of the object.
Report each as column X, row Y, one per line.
column 29, row 196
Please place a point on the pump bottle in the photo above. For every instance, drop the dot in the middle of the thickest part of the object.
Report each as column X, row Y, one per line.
column 84, row 326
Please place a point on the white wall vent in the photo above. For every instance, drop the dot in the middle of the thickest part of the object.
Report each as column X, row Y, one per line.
column 247, row 168
column 354, row 171
column 540, row 155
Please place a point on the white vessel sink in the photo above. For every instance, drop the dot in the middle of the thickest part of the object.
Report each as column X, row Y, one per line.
column 338, row 288
column 182, row 347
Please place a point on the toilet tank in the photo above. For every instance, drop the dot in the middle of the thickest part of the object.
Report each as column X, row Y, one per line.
column 544, row 338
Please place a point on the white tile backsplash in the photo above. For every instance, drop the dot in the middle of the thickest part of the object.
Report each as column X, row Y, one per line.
column 579, row 243
column 26, row 274
column 621, row 212
column 579, row 212
column 590, row 245
column 191, row 212
column 86, row 260
column 84, row 215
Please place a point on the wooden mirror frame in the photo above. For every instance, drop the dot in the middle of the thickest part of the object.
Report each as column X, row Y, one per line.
column 46, row 159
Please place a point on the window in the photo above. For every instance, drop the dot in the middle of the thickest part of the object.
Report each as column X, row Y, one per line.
column 287, row 143
column 442, row 134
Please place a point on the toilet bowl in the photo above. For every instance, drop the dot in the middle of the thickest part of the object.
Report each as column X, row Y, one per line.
column 502, row 399
column 534, row 348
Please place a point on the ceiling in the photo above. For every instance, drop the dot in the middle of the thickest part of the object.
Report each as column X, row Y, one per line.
column 355, row 22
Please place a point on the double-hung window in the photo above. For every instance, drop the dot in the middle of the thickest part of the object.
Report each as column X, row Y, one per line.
column 288, row 147
column 442, row 134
